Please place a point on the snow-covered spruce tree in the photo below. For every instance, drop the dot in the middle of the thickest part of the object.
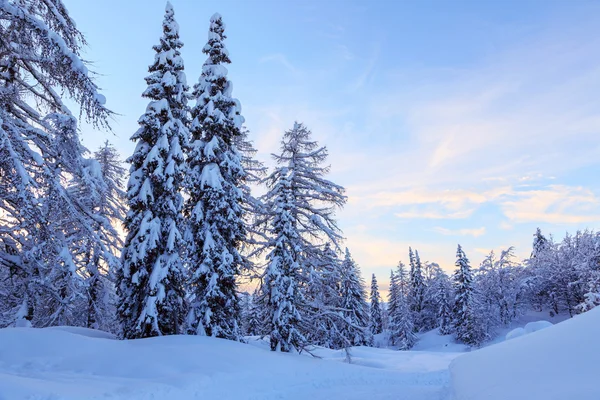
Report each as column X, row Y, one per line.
column 150, row 284
column 441, row 291
column 299, row 205
column 42, row 223
column 466, row 323
column 255, row 319
column 393, row 293
column 376, row 321
column 215, row 185
column 356, row 329
column 417, row 289
column 402, row 279
column 401, row 328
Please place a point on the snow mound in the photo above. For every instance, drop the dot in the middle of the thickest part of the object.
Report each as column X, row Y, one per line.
column 58, row 364
column 557, row 363
column 515, row 333
column 536, row 326
column 92, row 333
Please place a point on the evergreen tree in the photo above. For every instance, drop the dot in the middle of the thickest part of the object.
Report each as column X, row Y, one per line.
column 465, row 322
column 393, row 293
column 215, row 185
column 417, row 289
column 255, row 319
column 150, row 284
column 42, row 222
column 441, row 295
column 400, row 327
column 376, row 324
column 353, row 301
column 402, row 279
column 299, row 208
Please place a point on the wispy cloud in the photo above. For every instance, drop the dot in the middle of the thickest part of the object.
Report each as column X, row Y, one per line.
column 366, row 74
column 282, row 60
column 555, row 204
column 475, row 232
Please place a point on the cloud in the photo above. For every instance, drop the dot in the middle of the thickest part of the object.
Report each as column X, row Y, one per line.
column 281, row 59
column 475, row 232
column 368, row 71
column 554, row 204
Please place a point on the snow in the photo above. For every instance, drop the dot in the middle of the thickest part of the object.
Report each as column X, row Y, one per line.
column 66, row 363
column 529, row 328
column 76, row 330
column 555, row 363
column 57, row 364
column 536, row 326
column 514, row 333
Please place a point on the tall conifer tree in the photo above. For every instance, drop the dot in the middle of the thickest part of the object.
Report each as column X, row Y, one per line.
column 215, row 184
column 376, row 323
column 150, row 284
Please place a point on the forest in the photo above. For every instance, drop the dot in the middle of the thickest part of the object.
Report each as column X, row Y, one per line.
column 174, row 239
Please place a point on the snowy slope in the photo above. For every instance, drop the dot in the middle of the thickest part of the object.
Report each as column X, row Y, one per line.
column 60, row 365
column 557, row 363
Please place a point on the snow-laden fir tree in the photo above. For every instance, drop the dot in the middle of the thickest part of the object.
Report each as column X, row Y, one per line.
column 353, row 301
column 150, row 284
column 215, row 184
column 393, row 293
column 401, row 329
column 300, row 205
column 417, row 289
column 255, row 317
column 42, row 222
column 402, row 279
column 376, row 321
column 466, row 323
column 441, row 295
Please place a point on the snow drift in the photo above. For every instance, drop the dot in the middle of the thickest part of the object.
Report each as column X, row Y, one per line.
column 70, row 364
column 556, row 363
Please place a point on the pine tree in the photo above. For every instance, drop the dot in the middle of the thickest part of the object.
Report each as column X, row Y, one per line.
column 353, row 301
column 465, row 322
column 441, row 300
column 402, row 329
column 150, row 284
column 255, row 319
column 417, row 289
column 299, row 208
column 376, row 324
column 402, row 279
column 215, row 184
column 42, row 222
column 393, row 293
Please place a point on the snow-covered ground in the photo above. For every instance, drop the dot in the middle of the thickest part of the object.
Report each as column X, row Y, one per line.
column 557, row 362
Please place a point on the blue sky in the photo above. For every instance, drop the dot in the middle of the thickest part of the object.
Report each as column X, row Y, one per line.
column 467, row 122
